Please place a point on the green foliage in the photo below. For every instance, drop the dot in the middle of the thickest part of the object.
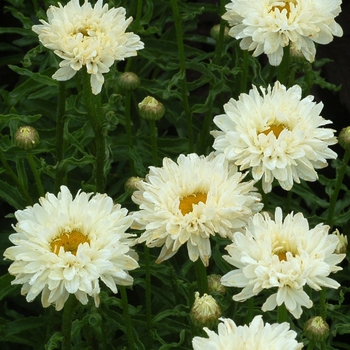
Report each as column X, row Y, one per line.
column 29, row 96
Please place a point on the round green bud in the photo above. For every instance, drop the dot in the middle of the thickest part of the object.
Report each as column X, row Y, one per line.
column 128, row 81
column 151, row 109
column 215, row 32
column 342, row 245
column 316, row 329
column 26, row 137
column 205, row 311
column 344, row 138
column 131, row 184
column 214, row 284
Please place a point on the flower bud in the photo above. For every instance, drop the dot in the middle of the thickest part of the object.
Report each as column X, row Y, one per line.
column 205, row 311
column 214, row 284
column 131, row 184
column 128, row 81
column 215, row 32
column 316, row 329
column 26, row 137
column 151, row 109
column 343, row 243
column 344, row 138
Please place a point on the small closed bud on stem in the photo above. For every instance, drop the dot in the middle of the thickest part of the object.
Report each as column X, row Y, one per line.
column 316, row 329
column 26, row 137
column 151, row 109
column 205, row 311
column 344, row 138
column 128, row 81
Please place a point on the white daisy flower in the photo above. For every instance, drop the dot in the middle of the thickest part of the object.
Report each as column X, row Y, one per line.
column 278, row 134
column 87, row 36
column 267, row 26
column 256, row 336
column 283, row 254
column 191, row 200
column 65, row 246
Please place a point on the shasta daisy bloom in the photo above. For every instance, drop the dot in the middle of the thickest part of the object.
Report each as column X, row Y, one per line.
column 278, row 134
column 88, row 36
column 189, row 201
column 267, row 26
column 282, row 254
column 256, row 336
column 66, row 246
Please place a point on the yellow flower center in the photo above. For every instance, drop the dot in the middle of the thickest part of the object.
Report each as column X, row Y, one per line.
column 69, row 241
column 285, row 6
column 276, row 129
column 186, row 203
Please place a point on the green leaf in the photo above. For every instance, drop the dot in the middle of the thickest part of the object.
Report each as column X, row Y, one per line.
column 11, row 195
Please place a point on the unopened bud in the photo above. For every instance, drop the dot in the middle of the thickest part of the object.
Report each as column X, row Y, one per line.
column 342, row 244
column 205, row 311
column 128, row 81
column 344, row 138
column 151, row 109
column 316, row 329
column 215, row 32
column 214, row 284
column 26, row 137
column 131, row 184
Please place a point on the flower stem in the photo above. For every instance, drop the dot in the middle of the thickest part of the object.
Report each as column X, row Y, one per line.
column 282, row 313
column 127, row 318
column 128, row 128
column 182, row 58
column 154, row 132
column 61, row 109
column 93, row 111
column 283, row 69
column 148, row 297
column 220, row 41
column 201, row 275
column 323, row 307
column 311, row 345
column 245, row 66
column 15, row 177
column 339, row 181
column 67, row 320
column 36, row 174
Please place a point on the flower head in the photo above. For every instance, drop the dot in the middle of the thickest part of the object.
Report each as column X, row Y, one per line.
column 87, row 36
column 26, row 137
column 190, row 200
column 267, row 26
column 65, row 246
column 283, row 254
column 256, row 336
column 277, row 134
column 205, row 311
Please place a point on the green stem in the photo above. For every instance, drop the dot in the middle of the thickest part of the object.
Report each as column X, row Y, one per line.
column 323, row 308
column 15, row 178
column 67, row 320
column 128, row 128
column 154, row 133
column 138, row 13
column 284, row 67
column 282, row 313
column 148, row 297
column 250, row 313
column 61, row 109
column 92, row 106
column 339, row 182
column 127, row 319
column 311, row 345
column 245, row 66
column 201, row 275
column 220, row 41
column 182, row 58
column 36, row 174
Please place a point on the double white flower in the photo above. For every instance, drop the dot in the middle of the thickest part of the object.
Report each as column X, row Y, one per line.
column 88, row 36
